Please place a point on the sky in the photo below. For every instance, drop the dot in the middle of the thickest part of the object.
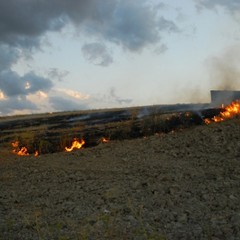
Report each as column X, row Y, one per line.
column 63, row 55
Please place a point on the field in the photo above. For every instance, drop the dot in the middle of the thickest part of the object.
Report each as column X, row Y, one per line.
column 164, row 175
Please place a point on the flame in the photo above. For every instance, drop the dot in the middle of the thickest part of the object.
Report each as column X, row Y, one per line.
column 22, row 152
column 105, row 140
column 207, row 121
column 230, row 111
column 75, row 144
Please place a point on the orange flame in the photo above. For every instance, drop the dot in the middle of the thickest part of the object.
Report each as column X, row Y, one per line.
column 230, row 111
column 75, row 144
column 105, row 140
column 23, row 151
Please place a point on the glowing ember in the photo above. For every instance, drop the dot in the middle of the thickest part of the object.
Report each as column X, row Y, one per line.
column 75, row 144
column 229, row 112
column 105, row 140
column 15, row 144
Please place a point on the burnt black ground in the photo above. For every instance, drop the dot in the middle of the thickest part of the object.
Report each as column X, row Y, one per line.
column 181, row 185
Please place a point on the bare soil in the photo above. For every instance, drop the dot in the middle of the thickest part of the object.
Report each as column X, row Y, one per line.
column 180, row 185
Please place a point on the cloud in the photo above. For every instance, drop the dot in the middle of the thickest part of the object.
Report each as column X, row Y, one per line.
column 59, row 75
column 23, row 22
column 232, row 5
column 11, row 84
column 8, row 56
column 97, row 54
column 64, row 104
column 131, row 24
column 74, row 94
column 12, row 104
column 166, row 25
column 160, row 49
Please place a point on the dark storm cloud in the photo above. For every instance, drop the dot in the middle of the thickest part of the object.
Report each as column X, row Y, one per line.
column 16, row 103
column 12, row 84
column 23, row 21
column 97, row 54
column 131, row 24
column 63, row 104
column 8, row 56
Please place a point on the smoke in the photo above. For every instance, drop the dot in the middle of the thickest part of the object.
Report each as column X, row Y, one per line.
column 63, row 104
column 113, row 97
column 225, row 70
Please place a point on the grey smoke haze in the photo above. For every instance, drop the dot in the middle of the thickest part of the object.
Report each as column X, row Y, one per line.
column 225, row 70
column 63, row 104
column 113, row 97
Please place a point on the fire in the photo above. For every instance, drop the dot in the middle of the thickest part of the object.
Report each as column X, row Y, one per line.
column 230, row 111
column 207, row 121
column 15, row 144
column 75, row 144
column 23, row 151
column 105, row 140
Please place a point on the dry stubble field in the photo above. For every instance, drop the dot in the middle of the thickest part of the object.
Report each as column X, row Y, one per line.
column 180, row 185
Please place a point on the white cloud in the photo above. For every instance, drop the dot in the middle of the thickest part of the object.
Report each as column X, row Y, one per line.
column 74, row 94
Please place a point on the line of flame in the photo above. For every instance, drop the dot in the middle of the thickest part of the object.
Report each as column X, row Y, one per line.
column 75, row 144
column 230, row 111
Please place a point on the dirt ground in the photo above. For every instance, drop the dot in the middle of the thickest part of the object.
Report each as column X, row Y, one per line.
column 181, row 185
